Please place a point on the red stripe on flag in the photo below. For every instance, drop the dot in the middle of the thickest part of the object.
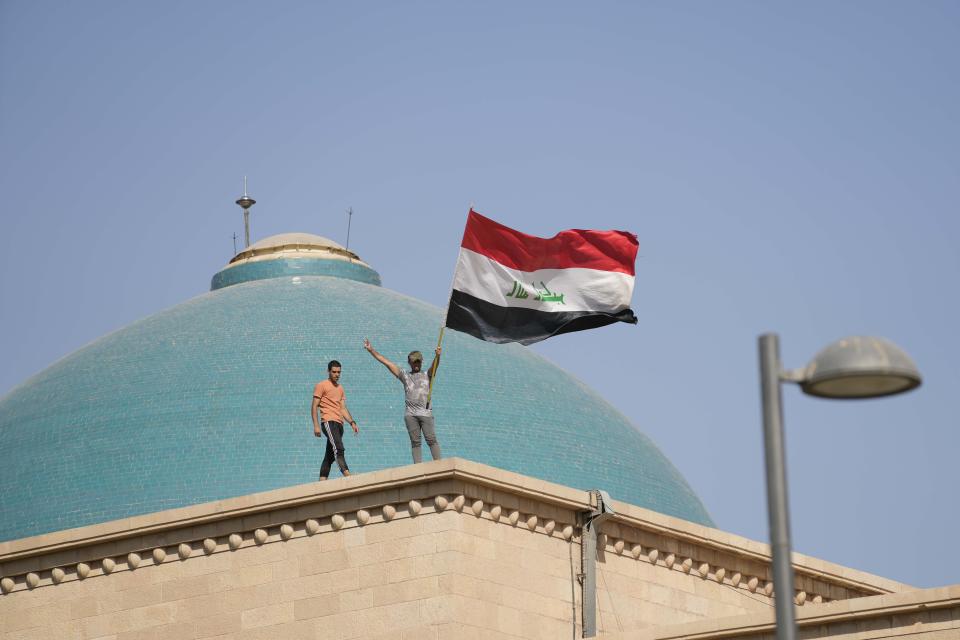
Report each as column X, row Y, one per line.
column 575, row 248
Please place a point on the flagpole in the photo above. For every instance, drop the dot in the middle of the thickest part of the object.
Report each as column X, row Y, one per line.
column 443, row 325
column 433, row 373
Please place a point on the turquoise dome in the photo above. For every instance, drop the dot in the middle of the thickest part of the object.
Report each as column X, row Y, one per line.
column 210, row 399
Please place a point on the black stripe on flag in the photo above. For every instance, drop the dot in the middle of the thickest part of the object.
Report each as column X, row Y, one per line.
column 494, row 323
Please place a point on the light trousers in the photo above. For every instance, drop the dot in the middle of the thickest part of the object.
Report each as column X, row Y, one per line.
column 422, row 424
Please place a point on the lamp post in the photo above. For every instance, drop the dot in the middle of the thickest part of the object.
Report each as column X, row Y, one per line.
column 855, row 367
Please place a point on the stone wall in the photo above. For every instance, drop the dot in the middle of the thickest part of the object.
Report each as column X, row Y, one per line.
column 448, row 549
column 925, row 614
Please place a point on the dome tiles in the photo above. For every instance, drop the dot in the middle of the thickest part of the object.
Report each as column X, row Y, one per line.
column 210, row 399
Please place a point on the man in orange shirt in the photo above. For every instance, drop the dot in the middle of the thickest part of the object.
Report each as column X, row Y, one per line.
column 329, row 398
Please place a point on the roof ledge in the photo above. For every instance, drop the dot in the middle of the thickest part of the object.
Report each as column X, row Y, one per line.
column 473, row 489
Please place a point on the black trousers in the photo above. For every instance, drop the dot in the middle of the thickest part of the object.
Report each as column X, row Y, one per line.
column 333, row 431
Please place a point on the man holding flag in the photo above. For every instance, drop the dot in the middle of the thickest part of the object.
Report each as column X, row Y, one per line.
column 418, row 416
column 512, row 287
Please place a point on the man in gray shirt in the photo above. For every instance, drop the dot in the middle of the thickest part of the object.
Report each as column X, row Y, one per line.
column 416, row 384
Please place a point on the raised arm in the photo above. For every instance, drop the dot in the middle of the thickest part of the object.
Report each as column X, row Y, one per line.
column 435, row 364
column 394, row 369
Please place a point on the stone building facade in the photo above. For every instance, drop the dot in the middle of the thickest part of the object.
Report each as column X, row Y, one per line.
column 447, row 549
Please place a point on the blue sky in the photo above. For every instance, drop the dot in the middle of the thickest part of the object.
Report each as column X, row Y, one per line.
column 789, row 168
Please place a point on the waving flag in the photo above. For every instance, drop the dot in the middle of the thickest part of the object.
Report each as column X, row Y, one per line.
column 513, row 287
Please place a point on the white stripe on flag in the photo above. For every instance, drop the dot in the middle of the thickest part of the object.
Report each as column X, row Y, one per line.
column 582, row 289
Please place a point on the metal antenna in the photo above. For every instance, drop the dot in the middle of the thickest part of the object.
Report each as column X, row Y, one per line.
column 246, row 202
column 349, row 220
column 234, row 243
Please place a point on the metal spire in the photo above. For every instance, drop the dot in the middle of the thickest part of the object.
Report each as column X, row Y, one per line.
column 349, row 220
column 246, row 202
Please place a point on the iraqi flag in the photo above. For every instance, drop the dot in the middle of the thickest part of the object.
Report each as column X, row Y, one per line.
column 511, row 287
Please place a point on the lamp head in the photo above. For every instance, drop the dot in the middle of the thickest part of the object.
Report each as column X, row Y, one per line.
column 860, row 367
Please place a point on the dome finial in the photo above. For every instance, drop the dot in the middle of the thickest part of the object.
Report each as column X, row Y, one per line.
column 246, row 202
column 349, row 220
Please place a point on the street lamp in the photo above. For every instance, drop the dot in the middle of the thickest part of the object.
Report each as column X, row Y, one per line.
column 855, row 367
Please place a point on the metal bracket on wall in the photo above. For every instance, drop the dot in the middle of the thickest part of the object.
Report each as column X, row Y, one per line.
column 591, row 521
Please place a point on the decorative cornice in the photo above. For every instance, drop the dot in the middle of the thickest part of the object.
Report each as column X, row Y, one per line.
column 468, row 488
column 298, row 249
column 902, row 609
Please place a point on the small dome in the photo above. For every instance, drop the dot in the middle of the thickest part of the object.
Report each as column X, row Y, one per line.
column 292, row 242
column 294, row 254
